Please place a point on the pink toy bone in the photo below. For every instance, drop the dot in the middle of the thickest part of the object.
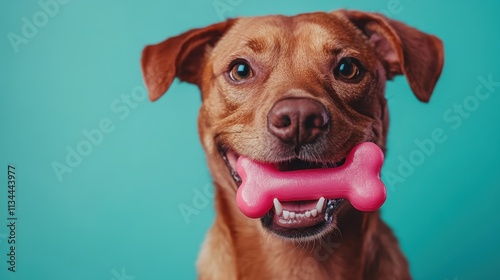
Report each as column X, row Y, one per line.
column 357, row 180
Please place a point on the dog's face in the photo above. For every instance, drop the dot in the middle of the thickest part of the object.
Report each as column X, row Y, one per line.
column 298, row 92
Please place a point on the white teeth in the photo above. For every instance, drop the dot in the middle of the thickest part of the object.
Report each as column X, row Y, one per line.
column 286, row 214
column 278, row 207
column 314, row 212
column 321, row 203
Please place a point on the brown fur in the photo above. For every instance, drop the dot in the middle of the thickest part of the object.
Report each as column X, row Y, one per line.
column 293, row 56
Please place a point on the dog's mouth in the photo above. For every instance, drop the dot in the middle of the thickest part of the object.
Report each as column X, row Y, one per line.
column 295, row 220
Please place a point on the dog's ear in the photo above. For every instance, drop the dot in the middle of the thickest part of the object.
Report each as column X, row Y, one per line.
column 181, row 56
column 404, row 50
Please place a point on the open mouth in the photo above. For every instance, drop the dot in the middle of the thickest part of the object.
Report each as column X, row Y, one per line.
column 296, row 220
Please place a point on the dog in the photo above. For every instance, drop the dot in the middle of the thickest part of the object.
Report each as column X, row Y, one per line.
column 297, row 92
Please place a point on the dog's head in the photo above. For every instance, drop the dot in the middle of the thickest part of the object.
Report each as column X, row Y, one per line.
column 298, row 92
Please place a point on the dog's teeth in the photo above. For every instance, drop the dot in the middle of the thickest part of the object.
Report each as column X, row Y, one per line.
column 278, row 208
column 314, row 212
column 321, row 203
column 286, row 214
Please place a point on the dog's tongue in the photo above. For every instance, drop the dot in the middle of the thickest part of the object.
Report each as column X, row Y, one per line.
column 357, row 180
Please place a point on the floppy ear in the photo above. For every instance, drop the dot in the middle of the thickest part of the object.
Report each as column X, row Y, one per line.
column 404, row 50
column 181, row 56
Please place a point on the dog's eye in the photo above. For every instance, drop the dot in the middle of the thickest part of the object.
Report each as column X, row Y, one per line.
column 348, row 69
column 240, row 71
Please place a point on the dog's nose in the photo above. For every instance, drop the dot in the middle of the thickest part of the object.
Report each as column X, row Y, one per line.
column 298, row 121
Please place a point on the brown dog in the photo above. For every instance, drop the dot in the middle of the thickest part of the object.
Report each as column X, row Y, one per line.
column 299, row 92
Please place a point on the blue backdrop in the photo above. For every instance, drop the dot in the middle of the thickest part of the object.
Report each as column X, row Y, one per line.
column 101, row 172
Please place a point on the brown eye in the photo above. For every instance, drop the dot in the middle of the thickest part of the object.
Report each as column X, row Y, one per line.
column 240, row 71
column 348, row 69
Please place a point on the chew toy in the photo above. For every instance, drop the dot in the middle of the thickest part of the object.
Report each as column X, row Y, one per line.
column 357, row 180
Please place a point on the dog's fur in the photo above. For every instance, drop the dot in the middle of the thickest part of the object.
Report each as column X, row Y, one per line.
column 294, row 57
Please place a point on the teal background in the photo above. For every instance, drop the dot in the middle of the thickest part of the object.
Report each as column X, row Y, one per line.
column 117, row 213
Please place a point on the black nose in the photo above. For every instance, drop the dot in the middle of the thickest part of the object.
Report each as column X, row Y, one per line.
column 298, row 121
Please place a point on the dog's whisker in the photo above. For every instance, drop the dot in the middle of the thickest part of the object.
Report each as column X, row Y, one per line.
column 299, row 93
column 337, row 229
